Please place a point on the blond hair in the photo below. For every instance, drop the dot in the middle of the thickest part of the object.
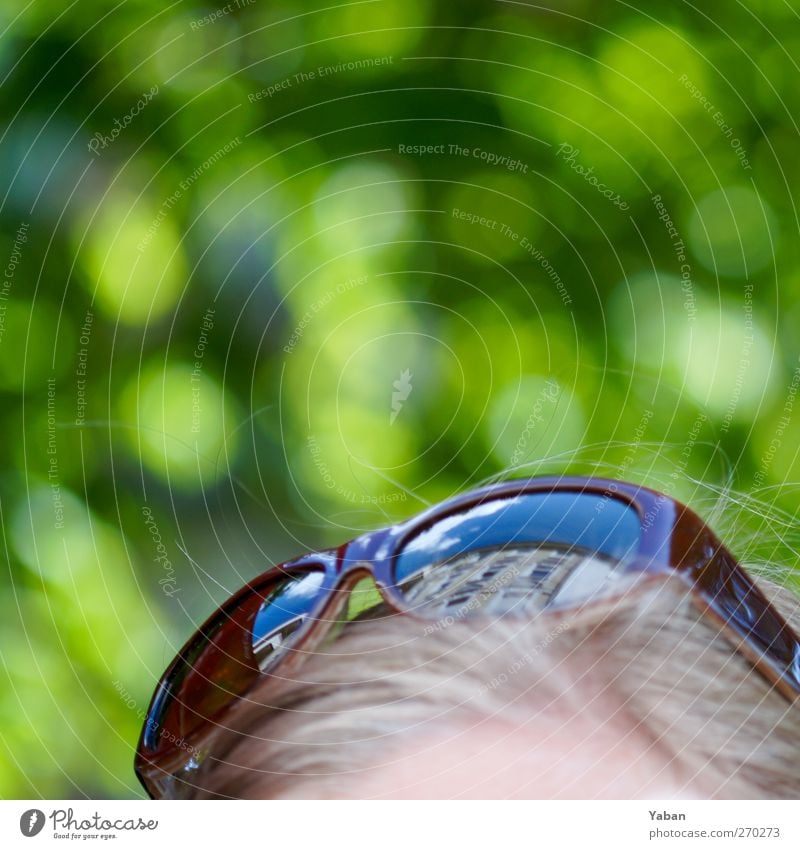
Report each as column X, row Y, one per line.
column 646, row 667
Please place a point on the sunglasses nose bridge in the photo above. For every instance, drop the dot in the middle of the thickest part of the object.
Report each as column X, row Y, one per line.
column 349, row 581
column 351, row 573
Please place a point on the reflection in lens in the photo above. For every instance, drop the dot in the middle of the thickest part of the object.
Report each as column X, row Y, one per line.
column 284, row 610
column 518, row 554
column 519, row 581
column 215, row 668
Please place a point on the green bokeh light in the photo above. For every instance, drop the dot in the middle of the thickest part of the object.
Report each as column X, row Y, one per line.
column 532, row 419
column 361, row 204
column 85, row 626
column 733, row 232
column 370, row 29
column 133, row 259
column 181, row 424
column 723, row 358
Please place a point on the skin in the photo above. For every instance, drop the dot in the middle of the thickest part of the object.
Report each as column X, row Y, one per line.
column 577, row 761
column 555, row 757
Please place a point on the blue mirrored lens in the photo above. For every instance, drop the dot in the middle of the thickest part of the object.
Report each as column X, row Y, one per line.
column 283, row 613
column 592, row 522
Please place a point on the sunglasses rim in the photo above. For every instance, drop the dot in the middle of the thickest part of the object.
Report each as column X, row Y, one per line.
column 665, row 524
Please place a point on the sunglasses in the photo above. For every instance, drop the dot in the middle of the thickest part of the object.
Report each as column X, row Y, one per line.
column 518, row 548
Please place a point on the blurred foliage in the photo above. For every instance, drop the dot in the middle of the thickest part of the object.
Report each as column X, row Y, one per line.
column 209, row 294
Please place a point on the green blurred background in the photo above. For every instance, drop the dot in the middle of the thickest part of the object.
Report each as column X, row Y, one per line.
column 275, row 273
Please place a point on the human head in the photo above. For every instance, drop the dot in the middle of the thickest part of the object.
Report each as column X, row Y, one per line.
column 576, row 585
column 639, row 698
